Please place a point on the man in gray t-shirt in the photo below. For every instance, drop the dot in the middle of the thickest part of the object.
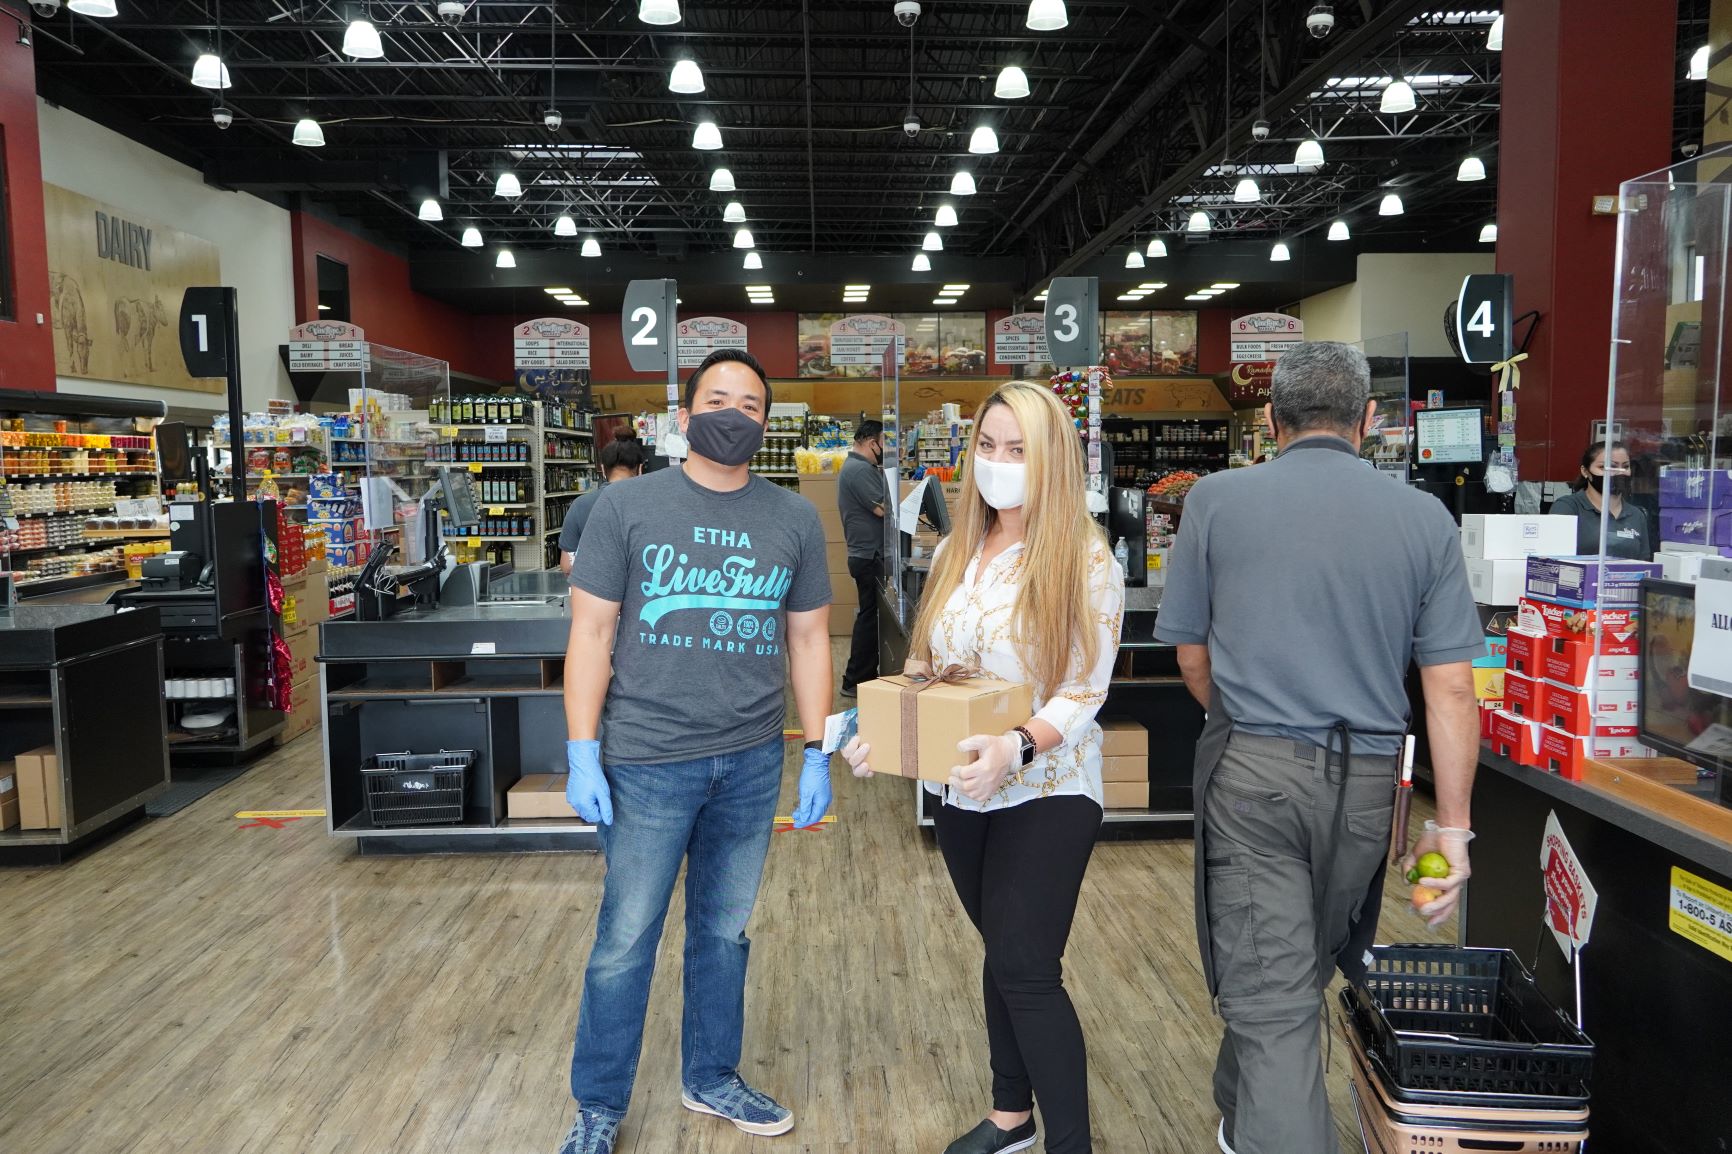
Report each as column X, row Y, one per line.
column 621, row 459
column 862, row 499
column 1298, row 593
column 709, row 589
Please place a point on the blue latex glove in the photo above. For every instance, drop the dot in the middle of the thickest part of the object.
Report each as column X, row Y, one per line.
column 586, row 787
column 814, row 789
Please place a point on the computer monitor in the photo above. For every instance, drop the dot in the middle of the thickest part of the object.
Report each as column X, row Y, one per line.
column 1670, row 716
column 1448, row 437
column 174, row 452
column 458, row 489
column 932, row 508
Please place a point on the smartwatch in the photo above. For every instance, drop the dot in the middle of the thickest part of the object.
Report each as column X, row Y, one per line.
column 1027, row 739
column 818, row 745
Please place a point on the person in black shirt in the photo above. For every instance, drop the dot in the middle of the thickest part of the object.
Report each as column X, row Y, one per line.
column 863, row 498
column 621, row 458
column 1604, row 489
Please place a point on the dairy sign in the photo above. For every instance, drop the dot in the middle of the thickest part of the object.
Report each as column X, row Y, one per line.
column 1020, row 339
column 1570, row 896
column 1265, row 336
column 325, row 346
column 701, row 336
column 550, row 343
column 863, row 340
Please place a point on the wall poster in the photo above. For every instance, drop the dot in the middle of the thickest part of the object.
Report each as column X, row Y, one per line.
column 851, row 345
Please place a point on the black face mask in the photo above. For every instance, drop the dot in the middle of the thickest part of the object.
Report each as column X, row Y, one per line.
column 1620, row 485
column 726, row 436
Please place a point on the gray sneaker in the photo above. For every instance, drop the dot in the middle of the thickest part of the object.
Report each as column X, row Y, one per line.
column 592, row 1133
column 748, row 1109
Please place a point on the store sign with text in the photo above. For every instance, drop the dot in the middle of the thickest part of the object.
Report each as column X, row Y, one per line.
column 1265, row 336
column 700, row 336
column 326, row 346
column 550, row 343
column 1020, row 339
column 1248, row 383
column 1570, row 897
column 863, row 340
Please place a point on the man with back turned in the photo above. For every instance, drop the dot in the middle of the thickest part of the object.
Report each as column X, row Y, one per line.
column 862, row 496
column 1300, row 591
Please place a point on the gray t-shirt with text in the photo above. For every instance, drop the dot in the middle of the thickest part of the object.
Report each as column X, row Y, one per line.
column 704, row 581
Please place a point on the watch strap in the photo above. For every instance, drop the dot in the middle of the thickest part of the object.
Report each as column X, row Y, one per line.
column 1028, row 745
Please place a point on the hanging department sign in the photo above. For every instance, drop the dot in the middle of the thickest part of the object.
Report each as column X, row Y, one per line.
column 1248, row 383
column 863, row 340
column 550, row 343
column 325, row 346
column 1265, row 336
column 1020, row 339
column 1570, row 896
column 701, row 336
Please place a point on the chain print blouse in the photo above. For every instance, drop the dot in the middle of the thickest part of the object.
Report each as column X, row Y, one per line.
column 975, row 628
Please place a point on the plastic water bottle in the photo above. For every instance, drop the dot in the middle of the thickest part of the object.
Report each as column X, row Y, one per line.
column 1122, row 555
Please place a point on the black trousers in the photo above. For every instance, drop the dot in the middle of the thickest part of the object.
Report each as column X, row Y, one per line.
column 863, row 653
column 1018, row 872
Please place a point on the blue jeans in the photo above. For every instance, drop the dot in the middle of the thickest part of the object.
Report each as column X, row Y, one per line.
column 714, row 814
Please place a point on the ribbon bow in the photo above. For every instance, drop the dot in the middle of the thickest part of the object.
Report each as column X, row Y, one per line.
column 1510, row 373
column 950, row 675
column 953, row 674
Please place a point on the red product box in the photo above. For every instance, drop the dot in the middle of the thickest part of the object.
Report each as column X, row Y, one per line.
column 1487, row 714
column 1566, row 621
column 1565, row 754
column 1567, row 660
column 1581, row 711
column 1522, row 695
column 1517, row 738
column 1576, row 665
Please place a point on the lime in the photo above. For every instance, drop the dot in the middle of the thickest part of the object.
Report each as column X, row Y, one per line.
column 1432, row 865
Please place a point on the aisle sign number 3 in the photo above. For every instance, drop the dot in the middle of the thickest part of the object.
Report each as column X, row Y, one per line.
column 1073, row 326
column 1482, row 318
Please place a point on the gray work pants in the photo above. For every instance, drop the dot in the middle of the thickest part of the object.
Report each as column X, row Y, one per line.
column 1276, row 925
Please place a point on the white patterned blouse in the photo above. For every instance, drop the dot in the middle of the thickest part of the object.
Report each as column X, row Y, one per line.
column 975, row 628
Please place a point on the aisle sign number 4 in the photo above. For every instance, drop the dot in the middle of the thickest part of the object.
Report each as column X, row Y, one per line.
column 1482, row 318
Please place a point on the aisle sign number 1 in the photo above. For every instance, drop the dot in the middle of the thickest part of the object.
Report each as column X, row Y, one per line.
column 1073, row 322
column 204, row 332
column 1482, row 318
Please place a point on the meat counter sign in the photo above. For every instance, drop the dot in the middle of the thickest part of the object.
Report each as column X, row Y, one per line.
column 863, row 340
column 1265, row 336
column 1020, row 339
column 1570, row 896
column 550, row 343
column 701, row 336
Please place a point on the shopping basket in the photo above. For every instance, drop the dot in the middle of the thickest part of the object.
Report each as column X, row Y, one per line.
column 406, row 789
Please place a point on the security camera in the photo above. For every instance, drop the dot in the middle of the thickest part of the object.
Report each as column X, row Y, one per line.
column 451, row 11
column 911, row 125
column 1260, row 130
column 907, row 12
column 221, row 116
column 48, row 8
column 552, row 119
column 1320, row 21
column 1690, row 148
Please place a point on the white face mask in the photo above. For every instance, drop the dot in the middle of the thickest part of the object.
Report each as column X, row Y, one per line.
column 1001, row 485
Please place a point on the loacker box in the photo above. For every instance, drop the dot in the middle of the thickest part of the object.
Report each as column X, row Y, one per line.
column 1579, row 711
column 1563, row 753
column 1587, row 582
column 1554, row 620
column 1517, row 738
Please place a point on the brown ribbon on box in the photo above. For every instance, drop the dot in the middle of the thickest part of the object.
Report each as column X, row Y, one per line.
column 949, row 675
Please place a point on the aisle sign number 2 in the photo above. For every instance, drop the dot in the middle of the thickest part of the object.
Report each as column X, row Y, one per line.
column 1073, row 327
column 648, row 319
column 1482, row 318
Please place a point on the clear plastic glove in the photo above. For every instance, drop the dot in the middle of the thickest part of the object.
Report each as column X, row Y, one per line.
column 854, row 753
column 996, row 756
column 814, row 789
column 1452, row 844
column 585, row 785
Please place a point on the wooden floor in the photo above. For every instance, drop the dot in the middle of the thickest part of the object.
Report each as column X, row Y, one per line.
column 199, row 987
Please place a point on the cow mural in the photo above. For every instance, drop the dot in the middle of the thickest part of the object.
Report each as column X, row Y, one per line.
column 66, row 305
column 136, row 323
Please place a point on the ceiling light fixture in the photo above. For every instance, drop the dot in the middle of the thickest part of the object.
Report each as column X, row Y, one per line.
column 1338, row 231
column 308, row 134
column 559, row 291
column 1199, row 222
column 1223, row 285
column 944, row 301
column 1698, row 64
column 946, row 217
column 1494, row 38
column 1398, row 97
column 932, row 243
column 1134, row 257
column 1247, row 192
column 362, row 41
column 1488, row 234
column 1157, row 248
column 922, row 262
column 753, row 260
column 1471, row 169
column 1280, row 252
column 743, row 239
column 984, row 142
column 659, row 11
column 686, row 77
column 505, row 259
column 1046, row 15
column 1198, row 297
column 430, row 210
column 962, row 184
column 471, row 237
column 563, row 225
column 1012, row 83
column 706, row 137
column 1391, row 206
column 209, row 71
column 101, row 9
column 507, row 185
column 1309, row 154
column 721, row 180
column 734, row 213
column 952, row 290
column 591, row 247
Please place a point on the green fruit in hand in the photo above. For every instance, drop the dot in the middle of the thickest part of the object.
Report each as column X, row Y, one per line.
column 1413, row 876
column 1432, row 865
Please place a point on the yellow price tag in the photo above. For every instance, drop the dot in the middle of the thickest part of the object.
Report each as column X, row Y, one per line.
column 496, row 510
column 448, row 431
column 475, row 542
column 475, row 466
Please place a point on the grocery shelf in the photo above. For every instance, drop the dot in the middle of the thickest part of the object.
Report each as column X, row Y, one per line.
column 763, row 473
column 566, row 493
column 124, row 534
column 487, row 464
column 481, row 537
column 66, row 512
column 80, row 544
column 524, row 425
column 112, row 474
column 582, row 434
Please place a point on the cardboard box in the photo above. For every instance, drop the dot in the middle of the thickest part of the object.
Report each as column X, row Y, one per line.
column 943, row 715
column 1488, row 684
column 1523, row 696
column 1122, row 737
column 1587, row 582
column 305, row 714
column 1695, row 488
column 1578, row 711
column 1488, row 711
column 8, row 795
column 39, row 788
column 1517, row 738
column 1554, row 620
column 1499, row 582
column 539, row 795
column 1578, row 666
column 303, row 648
column 1125, row 794
column 1131, row 767
column 1564, row 753
column 1505, row 537
column 1699, row 526
column 1567, row 660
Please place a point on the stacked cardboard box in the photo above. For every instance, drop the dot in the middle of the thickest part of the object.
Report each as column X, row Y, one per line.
column 538, row 795
column 821, row 490
column 8, row 795
column 306, row 602
column 37, row 779
column 1124, row 763
column 1696, row 509
column 1497, row 547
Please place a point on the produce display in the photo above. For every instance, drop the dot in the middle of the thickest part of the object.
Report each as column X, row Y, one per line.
column 1174, row 485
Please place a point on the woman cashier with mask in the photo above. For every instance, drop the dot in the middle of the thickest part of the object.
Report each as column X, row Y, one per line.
column 1602, row 492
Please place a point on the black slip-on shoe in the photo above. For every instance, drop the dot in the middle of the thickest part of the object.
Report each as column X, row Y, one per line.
column 989, row 1139
column 848, row 691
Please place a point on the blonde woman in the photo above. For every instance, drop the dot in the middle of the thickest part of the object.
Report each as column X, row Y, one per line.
column 1026, row 589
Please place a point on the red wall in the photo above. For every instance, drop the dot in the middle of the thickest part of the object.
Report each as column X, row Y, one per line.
column 381, row 300
column 26, row 348
column 1214, row 340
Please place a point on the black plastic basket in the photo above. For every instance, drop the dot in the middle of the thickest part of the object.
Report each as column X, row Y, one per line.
column 416, row 788
column 1454, row 1021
